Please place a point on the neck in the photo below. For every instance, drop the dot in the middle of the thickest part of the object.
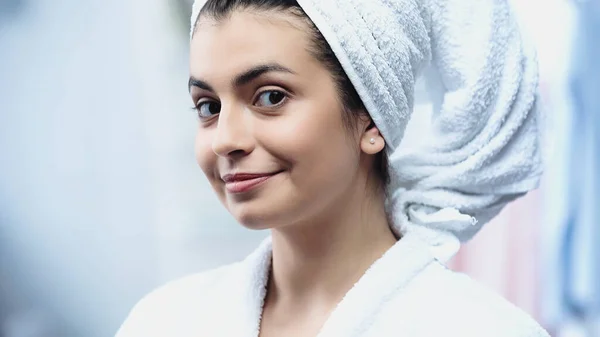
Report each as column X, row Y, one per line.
column 316, row 263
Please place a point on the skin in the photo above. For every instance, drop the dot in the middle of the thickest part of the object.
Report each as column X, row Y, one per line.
column 266, row 105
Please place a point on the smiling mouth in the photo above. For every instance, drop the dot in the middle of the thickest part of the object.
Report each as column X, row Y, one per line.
column 244, row 182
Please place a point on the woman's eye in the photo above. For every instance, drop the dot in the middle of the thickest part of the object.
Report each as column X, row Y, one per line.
column 208, row 108
column 271, row 98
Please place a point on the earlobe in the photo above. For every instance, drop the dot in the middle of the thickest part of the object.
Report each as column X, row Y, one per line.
column 372, row 142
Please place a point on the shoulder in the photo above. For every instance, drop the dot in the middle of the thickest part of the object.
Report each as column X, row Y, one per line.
column 176, row 304
column 465, row 307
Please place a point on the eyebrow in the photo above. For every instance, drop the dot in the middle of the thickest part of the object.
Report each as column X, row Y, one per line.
column 243, row 78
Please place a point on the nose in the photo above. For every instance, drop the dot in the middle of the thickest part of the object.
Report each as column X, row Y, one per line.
column 233, row 137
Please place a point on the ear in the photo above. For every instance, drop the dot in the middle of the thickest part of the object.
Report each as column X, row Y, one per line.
column 372, row 141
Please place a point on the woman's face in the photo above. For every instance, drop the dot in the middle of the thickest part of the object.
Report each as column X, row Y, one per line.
column 271, row 139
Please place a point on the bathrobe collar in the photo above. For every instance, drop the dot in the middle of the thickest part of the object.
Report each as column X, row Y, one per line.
column 353, row 315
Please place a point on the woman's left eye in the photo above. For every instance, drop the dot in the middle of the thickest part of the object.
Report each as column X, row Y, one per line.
column 271, row 98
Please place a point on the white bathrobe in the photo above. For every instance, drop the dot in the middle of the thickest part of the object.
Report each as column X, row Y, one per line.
column 405, row 293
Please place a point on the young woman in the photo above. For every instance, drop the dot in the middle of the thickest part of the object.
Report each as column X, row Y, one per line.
column 302, row 107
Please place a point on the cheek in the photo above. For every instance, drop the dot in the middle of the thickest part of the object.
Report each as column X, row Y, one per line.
column 322, row 158
column 207, row 160
column 205, row 156
column 316, row 142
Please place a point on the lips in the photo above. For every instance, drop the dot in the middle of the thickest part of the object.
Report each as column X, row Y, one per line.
column 244, row 182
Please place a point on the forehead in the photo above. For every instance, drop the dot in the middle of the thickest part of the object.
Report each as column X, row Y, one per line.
column 244, row 39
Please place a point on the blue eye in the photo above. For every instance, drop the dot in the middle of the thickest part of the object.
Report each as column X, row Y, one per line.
column 208, row 108
column 271, row 98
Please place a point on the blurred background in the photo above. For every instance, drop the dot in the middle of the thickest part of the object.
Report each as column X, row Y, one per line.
column 101, row 199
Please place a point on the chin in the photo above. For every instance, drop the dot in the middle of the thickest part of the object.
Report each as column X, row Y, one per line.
column 254, row 216
column 260, row 215
column 255, row 226
column 254, row 221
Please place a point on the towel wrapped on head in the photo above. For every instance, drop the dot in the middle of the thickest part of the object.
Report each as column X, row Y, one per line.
column 483, row 150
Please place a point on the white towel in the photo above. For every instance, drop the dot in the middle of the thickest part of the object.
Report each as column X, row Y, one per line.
column 483, row 149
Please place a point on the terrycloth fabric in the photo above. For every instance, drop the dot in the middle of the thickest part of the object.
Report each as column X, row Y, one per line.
column 483, row 148
column 398, row 296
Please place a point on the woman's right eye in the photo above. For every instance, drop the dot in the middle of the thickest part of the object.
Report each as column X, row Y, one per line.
column 207, row 109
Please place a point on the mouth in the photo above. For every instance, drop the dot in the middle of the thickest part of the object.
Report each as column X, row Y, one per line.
column 244, row 182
